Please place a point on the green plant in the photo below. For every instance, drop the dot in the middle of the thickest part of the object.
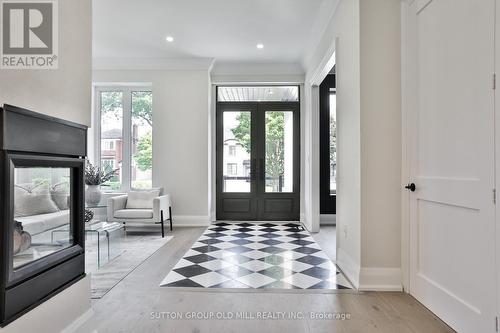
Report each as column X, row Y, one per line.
column 144, row 156
column 95, row 176
column 275, row 142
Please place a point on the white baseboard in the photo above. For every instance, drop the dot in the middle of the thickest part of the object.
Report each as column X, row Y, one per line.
column 348, row 266
column 328, row 219
column 369, row 278
column 191, row 221
column 380, row 279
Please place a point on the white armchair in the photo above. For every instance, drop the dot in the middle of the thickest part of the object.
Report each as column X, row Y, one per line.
column 141, row 207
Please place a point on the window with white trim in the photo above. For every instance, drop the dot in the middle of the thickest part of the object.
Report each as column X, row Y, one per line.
column 124, row 136
column 232, row 169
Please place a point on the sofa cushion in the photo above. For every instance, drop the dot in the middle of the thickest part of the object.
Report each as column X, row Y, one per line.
column 134, row 214
column 29, row 202
column 141, row 199
column 39, row 223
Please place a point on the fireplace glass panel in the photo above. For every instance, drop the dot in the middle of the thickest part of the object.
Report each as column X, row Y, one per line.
column 42, row 213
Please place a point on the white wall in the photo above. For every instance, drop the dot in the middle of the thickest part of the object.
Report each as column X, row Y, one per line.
column 343, row 26
column 180, row 136
column 257, row 73
column 366, row 35
column 381, row 158
column 65, row 92
column 380, row 54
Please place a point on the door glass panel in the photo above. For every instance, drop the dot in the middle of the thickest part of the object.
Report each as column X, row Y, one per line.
column 42, row 206
column 236, row 156
column 279, row 151
column 142, row 139
column 112, row 136
column 333, row 143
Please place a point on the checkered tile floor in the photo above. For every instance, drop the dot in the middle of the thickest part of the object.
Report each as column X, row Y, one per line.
column 251, row 256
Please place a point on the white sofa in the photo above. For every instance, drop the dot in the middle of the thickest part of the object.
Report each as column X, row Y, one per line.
column 37, row 224
column 155, row 212
column 39, row 209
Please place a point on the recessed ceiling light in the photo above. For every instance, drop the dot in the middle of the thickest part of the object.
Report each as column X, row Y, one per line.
column 169, row 39
column 260, row 46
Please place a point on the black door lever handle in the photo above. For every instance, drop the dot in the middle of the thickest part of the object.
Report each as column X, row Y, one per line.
column 412, row 187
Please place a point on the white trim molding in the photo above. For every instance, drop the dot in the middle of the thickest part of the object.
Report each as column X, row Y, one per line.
column 184, row 64
column 190, row 221
column 406, row 92
column 380, row 279
column 257, row 73
column 179, row 221
column 349, row 267
column 369, row 278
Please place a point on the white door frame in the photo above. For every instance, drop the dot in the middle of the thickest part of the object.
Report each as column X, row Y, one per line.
column 497, row 154
column 311, row 179
column 407, row 104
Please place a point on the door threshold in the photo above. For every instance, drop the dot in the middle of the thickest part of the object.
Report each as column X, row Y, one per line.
column 328, row 219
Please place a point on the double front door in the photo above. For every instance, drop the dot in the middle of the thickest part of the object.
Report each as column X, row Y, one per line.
column 258, row 168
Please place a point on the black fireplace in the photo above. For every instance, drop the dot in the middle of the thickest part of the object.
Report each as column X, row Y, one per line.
column 41, row 191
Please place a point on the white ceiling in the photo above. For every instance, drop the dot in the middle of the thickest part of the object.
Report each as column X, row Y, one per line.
column 227, row 30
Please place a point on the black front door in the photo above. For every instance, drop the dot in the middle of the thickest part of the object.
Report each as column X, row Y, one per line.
column 258, row 161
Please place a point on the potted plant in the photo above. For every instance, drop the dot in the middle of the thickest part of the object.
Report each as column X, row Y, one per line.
column 94, row 178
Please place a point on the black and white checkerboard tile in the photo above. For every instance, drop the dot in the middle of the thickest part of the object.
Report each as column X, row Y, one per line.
column 251, row 256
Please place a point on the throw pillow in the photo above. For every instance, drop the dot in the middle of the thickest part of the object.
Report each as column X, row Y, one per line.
column 29, row 203
column 141, row 199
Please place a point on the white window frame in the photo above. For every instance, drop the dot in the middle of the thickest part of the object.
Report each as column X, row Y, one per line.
column 111, row 145
column 235, row 165
column 112, row 164
column 126, row 173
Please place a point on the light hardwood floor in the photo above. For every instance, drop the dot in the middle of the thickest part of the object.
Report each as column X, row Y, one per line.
column 129, row 306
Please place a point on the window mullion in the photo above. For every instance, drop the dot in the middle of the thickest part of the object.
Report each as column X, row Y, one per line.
column 127, row 137
column 97, row 128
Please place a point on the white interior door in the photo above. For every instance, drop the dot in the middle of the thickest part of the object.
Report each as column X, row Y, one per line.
column 452, row 221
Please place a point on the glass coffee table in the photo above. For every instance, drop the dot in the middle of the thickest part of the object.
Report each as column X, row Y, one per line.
column 109, row 235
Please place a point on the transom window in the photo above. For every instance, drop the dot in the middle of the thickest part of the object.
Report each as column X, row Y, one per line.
column 124, row 136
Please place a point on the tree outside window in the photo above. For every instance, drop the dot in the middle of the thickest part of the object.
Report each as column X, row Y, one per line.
column 113, row 115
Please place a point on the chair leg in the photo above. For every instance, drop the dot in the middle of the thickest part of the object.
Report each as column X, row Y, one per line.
column 170, row 217
column 162, row 228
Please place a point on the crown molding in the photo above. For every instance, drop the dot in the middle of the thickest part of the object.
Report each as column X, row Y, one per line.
column 169, row 64
column 243, row 68
column 255, row 73
column 320, row 26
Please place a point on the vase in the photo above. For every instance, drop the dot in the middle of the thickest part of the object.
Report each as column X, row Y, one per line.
column 93, row 195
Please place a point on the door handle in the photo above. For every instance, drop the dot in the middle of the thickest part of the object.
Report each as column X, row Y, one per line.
column 412, row 187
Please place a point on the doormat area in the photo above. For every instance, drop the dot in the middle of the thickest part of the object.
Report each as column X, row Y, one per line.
column 246, row 256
